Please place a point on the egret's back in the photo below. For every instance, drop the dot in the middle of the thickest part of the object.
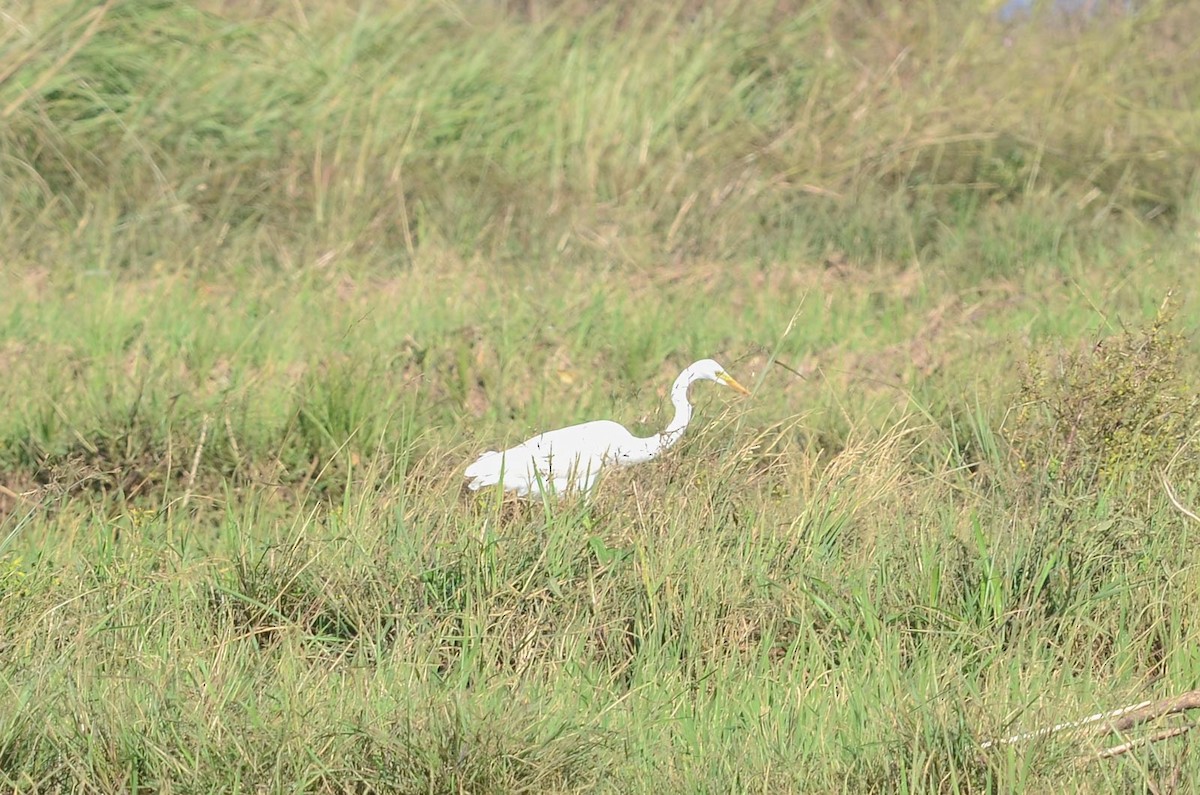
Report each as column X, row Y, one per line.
column 568, row 459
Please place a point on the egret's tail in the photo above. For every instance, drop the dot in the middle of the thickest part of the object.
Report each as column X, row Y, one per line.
column 485, row 471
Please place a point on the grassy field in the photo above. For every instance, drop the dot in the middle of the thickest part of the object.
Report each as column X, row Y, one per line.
column 274, row 273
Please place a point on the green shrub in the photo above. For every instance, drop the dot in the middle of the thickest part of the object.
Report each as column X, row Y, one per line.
column 1118, row 413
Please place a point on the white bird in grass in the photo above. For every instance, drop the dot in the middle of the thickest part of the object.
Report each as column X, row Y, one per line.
column 570, row 459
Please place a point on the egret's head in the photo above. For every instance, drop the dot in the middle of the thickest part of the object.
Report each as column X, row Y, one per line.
column 707, row 368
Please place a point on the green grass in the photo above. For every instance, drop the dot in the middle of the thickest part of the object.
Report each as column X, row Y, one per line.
column 274, row 275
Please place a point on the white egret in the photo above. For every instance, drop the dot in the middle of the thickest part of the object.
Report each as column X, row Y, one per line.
column 570, row 459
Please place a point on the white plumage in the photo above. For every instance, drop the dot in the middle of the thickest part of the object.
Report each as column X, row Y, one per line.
column 570, row 459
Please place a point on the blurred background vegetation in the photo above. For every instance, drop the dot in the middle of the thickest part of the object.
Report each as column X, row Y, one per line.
column 275, row 271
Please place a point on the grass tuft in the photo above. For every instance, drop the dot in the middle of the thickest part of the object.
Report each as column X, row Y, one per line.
column 275, row 273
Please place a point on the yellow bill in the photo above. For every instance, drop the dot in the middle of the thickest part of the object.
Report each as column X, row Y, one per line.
column 730, row 382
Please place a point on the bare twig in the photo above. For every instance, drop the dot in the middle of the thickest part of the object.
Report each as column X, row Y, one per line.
column 1117, row 720
column 790, row 369
column 191, row 481
column 237, row 454
column 1164, row 734
column 7, row 492
column 1170, row 489
column 1175, row 500
column 1075, row 724
column 1142, row 713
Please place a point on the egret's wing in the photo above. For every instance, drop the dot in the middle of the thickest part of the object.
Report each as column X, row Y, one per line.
column 562, row 460
column 510, row 468
column 485, row 469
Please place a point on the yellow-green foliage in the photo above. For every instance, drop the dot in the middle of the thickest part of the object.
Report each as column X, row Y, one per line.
column 1117, row 411
column 12, row 573
column 274, row 272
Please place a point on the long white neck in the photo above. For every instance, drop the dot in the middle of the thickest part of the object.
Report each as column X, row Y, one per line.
column 683, row 410
column 653, row 445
